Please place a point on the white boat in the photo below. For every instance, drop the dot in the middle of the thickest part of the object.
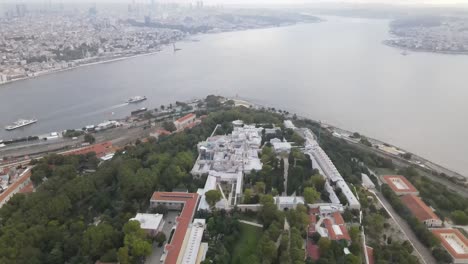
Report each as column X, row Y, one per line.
column 136, row 99
column 20, row 123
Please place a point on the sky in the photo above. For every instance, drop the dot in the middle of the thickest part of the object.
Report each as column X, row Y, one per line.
column 269, row 2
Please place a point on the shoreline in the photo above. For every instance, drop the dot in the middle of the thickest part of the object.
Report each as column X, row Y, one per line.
column 434, row 165
column 387, row 43
column 116, row 59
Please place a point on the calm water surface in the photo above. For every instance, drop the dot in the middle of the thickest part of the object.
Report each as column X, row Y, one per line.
column 337, row 71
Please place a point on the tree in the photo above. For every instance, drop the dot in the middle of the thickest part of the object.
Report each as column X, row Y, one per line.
column 324, row 245
column 459, row 217
column 248, row 196
column 160, row 238
column 259, row 187
column 212, row 197
column 169, row 126
column 311, row 195
column 89, row 139
column 160, row 209
column 267, row 249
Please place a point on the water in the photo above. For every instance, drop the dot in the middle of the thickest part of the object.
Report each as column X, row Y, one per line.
column 337, row 71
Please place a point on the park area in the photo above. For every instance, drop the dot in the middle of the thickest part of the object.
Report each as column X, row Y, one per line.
column 247, row 243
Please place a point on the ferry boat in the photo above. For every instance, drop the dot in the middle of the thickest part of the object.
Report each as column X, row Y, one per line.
column 20, row 123
column 136, row 99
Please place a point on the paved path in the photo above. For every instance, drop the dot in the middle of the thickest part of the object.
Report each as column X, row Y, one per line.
column 251, row 223
column 423, row 252
column 285, row 174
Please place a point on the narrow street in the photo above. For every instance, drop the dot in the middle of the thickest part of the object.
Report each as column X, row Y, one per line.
column 285, row 175
column 423, row 252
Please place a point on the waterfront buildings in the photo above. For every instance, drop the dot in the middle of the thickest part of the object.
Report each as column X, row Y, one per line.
column 185, row 121
column 400, row 185
column 421, row 211
column 454, row 242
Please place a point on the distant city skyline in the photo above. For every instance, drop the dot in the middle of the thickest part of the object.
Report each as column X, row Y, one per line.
column 259, row 2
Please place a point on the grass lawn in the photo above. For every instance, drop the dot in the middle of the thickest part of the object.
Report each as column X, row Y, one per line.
column 247, row 243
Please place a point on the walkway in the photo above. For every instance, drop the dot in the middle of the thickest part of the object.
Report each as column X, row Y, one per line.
column 251, row 223
column 285, row 174
column 423, row 252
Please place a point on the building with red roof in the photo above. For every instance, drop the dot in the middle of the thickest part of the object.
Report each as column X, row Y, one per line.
column 101, row 149
column 22, row 181
column 421, row 211
column 370, row 255
column 454, row 242
column 185, row 121
column 335, row 231
column 187, row 203
column 400, row 185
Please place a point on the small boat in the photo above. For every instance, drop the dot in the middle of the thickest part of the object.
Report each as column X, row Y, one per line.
column 20, row 123
column 136, row 99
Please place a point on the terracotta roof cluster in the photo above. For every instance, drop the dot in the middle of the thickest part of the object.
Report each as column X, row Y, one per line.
column 190, row 201
column 406, row 188
column 419, row 209
column 13, row 188
column 441, row 233
column 101, row 149
column 332, row 235
column 186, row 117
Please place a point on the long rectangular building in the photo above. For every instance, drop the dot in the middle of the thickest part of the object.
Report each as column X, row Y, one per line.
column 421, row 211
column 322, row 162
column 187, row 202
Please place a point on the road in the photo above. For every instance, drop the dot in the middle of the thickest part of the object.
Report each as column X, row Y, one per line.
column 285, row 174
column 424, row 253
column 462, row 190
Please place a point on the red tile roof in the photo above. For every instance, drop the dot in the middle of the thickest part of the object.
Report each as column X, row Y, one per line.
column 388, row 180
column 370, row 255
column 338, row 218
column 14, row 187
column 439, row 232
column 29, row 188
column 186, row 117
column 419, row 209
column 101, row 149
column 312, row 222
column 313, row 250
column 331, row 233
column 183, row 220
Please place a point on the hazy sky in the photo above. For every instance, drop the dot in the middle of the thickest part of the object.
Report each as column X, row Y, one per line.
column 266, row 2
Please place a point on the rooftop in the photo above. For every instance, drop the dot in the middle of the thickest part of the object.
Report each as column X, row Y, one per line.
column 186, row 117
column 190, row 201
column 194, row 241
column 453, row 241
column 100, row 149
column 399, row 184
column 149, row 221
column 419, row 209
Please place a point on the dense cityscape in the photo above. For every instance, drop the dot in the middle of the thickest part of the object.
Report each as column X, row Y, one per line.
column 35, row 42
column 447, row 35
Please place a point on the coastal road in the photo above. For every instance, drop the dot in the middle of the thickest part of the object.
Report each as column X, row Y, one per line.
column 461, row 190
column 423, row 252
